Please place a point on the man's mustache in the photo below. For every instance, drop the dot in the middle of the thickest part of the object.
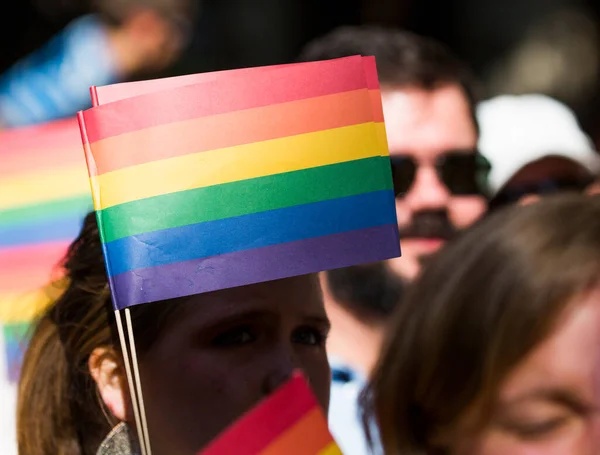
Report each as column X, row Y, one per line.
column 429, row 224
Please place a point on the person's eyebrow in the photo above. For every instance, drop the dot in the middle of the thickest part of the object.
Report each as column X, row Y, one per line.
column 562, row 397
column 238, row 317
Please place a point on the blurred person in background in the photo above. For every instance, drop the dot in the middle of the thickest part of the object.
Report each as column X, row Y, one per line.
column 124, row 39
column 594, row 188
column 496, row 348
column 439, row 180
column 536, row 147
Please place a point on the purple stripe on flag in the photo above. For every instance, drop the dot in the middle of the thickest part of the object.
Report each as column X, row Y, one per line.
column 252, row 266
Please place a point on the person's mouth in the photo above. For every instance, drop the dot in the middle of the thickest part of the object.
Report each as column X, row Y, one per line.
column 425, row 244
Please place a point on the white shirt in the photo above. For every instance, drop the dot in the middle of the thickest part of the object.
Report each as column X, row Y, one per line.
column 8, row 404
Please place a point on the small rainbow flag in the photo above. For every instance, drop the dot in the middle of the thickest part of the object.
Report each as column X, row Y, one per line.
column 289, row 422
column 251, row 177
column 44, row 196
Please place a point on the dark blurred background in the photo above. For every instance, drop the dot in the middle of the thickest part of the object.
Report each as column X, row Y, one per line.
column 513, row 46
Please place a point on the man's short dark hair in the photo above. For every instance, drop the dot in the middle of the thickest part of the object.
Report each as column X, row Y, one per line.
column 403, row 58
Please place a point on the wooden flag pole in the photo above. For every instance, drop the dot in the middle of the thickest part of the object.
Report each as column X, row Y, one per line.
column 136, row 372
column 132, row 389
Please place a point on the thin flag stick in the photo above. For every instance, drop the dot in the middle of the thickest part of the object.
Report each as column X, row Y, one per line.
column 134, row 401
column 136, row 372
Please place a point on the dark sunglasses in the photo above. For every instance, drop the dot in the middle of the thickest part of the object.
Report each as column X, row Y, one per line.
column 548, row 186
column 464, row 173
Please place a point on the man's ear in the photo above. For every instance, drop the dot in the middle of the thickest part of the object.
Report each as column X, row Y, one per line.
column 105, row 368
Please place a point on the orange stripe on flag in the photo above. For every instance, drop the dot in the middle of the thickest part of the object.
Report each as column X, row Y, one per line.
column 309, row 436
column 376, row 105
column 23, row 307
column 258, row 89
column 233, row 129
column 24, row 280
column 42, row 159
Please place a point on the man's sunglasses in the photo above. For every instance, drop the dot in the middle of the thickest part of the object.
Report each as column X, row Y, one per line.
column 464, row 173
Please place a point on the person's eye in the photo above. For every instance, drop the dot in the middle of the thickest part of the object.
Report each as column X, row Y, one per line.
column 235, row 337
column 309, row 336
column 536, row 430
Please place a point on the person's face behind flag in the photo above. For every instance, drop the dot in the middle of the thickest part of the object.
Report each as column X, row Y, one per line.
column 223, row 352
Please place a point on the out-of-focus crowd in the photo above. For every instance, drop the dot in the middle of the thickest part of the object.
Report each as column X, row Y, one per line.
column 484, row 337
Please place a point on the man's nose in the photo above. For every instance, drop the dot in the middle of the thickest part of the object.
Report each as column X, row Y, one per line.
column 427, row 191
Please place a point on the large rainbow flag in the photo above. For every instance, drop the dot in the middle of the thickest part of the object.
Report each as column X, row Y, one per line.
column 44, row 195
column 289, row 422
column 234, row 180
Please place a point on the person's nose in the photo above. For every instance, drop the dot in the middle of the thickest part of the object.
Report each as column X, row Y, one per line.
column 428, row 192
column 284, row 362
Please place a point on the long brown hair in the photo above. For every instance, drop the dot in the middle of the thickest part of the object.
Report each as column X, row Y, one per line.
column 478, row 309
column 59, row 410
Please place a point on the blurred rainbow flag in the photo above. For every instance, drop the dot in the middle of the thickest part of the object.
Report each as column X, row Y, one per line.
column 289, row 422
column 44, row 195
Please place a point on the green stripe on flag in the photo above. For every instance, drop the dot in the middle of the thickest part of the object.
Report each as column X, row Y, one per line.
column 244, row 197
column 49, row 210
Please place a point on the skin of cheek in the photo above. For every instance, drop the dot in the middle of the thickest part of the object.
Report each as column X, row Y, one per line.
column 464, row 211
column 594, row 189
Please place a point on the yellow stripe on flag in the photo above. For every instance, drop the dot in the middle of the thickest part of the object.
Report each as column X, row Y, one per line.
column 22, row 307
column 242, row 162
column 331, row 449
column 43, row 186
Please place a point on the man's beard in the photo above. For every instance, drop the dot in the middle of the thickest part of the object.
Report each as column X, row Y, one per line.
column 373, row 290
column 369, row 291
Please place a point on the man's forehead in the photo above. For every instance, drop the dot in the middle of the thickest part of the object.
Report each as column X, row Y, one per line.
column 427, row 122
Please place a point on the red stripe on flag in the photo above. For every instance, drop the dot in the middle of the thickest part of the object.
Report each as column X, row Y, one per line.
column 254, row 89
column 270, row 419
column 58, row 134
column 116, row 92
column 45, row 146
column 371, row 73
column 28, row 267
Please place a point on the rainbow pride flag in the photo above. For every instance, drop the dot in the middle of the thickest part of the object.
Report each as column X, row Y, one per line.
column 289, row 422
column 241, row 179
column 44, row 195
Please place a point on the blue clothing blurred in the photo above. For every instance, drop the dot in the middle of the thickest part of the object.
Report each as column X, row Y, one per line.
column 54, row 81
column 345, row 416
